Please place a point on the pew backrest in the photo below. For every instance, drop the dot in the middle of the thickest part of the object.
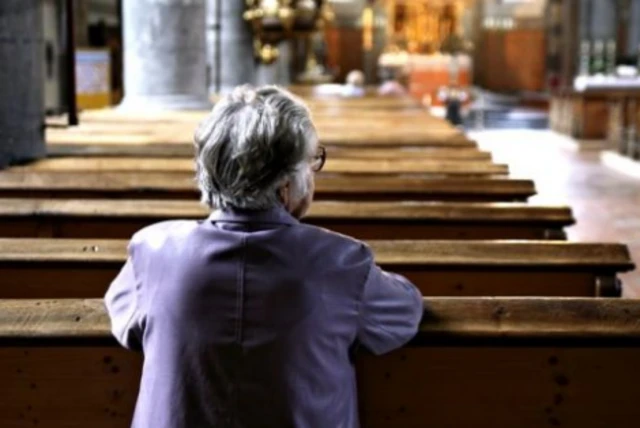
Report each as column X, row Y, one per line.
column 151, row 185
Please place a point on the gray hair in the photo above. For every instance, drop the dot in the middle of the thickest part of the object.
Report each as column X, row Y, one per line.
column 253, row 140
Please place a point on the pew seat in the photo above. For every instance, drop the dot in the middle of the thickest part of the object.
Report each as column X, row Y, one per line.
column 346, row 135
column 349, row 133
column 335, row 126
column 68, row 268
column 93, row 149
column 119, row 219
column 492, row 362
column 333, row 166
column 132, row 185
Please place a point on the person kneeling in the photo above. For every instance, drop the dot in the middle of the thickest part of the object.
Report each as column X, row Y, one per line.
column 247, row 318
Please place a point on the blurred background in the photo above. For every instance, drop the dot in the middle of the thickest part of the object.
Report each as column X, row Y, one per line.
column 507, row 57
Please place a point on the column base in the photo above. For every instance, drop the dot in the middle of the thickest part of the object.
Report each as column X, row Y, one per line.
column 164, row 103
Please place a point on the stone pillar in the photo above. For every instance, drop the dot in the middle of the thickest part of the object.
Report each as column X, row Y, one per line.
column 81, row 23
column 603, row 20
column 21, row 81
column 165, row 56
column 278, row 73
column 633, row 41
column 284, row 63
column 267, row 74
column 234, row 64
column 574, row 31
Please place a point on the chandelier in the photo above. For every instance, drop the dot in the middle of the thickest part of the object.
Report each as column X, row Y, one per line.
column 274, row 21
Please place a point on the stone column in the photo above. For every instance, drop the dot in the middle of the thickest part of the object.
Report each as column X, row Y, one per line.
column 165, row 56
column 234, row 64
column 278, row 73
column 603, row 20
column 21, row 81
column 284, row 63
column 81, row 23
column 633, row 44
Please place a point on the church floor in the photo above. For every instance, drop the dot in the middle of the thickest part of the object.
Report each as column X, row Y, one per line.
column 606, row 204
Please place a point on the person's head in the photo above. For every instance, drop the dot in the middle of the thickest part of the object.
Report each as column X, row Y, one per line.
column 258, row 148
column 355, row 78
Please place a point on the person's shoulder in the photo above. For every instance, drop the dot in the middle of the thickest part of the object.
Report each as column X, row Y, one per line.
column 157, row 234
column 326, row 243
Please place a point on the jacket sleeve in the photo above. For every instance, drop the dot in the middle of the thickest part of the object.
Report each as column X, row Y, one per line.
column 390, row 311
column 122, row 302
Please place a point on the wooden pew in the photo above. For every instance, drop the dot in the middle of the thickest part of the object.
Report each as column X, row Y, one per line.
column 336, row 166
column 502, row 363
column 67, row 268
column 187, row 151
column 122, row 130
column 586, row 114
column 119, row 219
column 339, row 122
column 363, row 137
column 334, row 131
column 324, row 112
column 132, row 185
column 325, row 119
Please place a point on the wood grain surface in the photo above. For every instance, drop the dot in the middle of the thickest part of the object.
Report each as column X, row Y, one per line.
column 397, row 252
column 348, row 122
column 406, row 210
column 497, row 317
column 187, row 151
column 338, row 166
column 91, row 180
column 120, row 219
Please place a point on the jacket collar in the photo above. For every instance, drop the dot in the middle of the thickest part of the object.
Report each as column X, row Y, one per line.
column 275, row 215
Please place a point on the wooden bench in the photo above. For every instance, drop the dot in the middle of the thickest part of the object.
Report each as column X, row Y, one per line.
column 132, row 185
column 187, row 151
column 362, row 132
column 325, row 119
column 331, row 112
column 361, row 123
column 336, row 166
column 123, row 131
column 361, row 138
column 502, row 363
column 67, row 268
column 119, row 219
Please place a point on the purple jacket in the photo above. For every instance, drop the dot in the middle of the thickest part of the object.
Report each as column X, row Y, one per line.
column 248, row 320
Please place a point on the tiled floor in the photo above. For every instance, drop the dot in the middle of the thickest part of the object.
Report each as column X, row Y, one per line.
column 605, row 203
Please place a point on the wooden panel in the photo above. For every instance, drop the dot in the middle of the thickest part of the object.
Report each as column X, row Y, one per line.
column 434, row 253
column 525, row 55
column 124, row 227
column 464, row 320
column 594, row 119
column 363, row 121
column 187, row 151
column 514, row 60
column 89, row 386
column 90, row 280
column 337, row 166
column 500, row 387
column 120, row 219
column 35, row 268
column 132, row 185
column 405, row 211
column 584, row 387
column 344, row 49
column 493, row 75
column 577, row 359
column 597, row 114
column 332, row 40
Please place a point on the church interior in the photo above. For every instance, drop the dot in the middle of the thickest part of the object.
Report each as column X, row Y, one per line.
column 487, row 150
